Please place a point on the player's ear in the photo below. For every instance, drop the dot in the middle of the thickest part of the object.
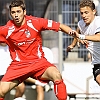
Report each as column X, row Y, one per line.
column 24, row 12
column 94, row 11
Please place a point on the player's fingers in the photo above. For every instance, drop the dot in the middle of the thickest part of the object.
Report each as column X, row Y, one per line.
column 71, row 32
column 69, row 49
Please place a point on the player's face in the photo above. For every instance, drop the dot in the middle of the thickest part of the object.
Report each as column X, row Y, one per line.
column 17, row 15
column 87, row 14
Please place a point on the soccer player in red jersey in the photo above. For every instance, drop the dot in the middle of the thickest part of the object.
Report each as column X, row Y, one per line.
column 23, row 36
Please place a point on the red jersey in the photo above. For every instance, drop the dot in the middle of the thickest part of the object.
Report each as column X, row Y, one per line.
column 25, row 42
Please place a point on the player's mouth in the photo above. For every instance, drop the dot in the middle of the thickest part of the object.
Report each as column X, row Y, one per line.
column 17, row 20
column 85, row 19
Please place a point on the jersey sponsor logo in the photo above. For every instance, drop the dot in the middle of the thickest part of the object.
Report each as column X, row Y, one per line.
column 25, row 42
column 49, row 23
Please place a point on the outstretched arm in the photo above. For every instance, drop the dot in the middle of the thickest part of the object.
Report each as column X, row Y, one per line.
column 74, row 42
column 79, row 37
column 95, row 38
column 64, row 28
column 72, row 45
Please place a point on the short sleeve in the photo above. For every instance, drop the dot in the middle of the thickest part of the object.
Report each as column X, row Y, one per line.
column 3, row 33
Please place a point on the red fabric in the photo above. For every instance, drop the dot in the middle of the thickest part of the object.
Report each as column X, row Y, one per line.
column 25, row 42
column 25, row 45
column 60, row 90
column 1, row 98
column 23, row 70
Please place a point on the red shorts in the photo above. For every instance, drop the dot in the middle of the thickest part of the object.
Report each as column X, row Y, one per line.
column 21, row 71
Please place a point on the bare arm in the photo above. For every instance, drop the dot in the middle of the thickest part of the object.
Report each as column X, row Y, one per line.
column 95, row 38
column 74, row 42
column 64, row 28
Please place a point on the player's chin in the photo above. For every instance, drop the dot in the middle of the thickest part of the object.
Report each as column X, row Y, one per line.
column 87, row 22
column 17, row 23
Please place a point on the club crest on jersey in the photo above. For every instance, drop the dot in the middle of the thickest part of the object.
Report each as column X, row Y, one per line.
column 27, row 32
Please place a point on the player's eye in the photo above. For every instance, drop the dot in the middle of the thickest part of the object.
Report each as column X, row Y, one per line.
column 19, row 11
column 86, row 12
column 12, row 12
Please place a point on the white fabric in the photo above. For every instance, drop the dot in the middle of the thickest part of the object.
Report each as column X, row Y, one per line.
column 48, row 54
column 81, row 36
column 19, row 98
column 93, row 47
column 5, row 59
column 40, row 83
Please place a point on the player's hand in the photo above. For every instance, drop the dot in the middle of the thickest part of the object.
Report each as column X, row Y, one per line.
column 85, row 42
column 69, row 48
column 74, row 34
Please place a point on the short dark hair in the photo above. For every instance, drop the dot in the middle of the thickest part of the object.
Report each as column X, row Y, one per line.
column 16, row 3
column 88, row 3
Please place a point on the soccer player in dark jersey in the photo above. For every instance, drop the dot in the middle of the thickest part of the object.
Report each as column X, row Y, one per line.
column 23, row 36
